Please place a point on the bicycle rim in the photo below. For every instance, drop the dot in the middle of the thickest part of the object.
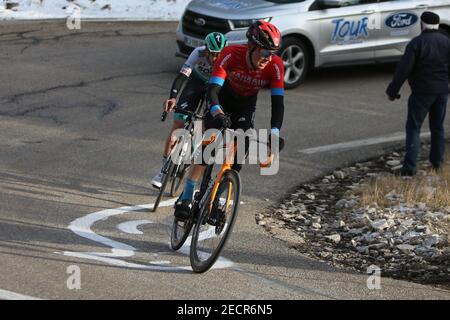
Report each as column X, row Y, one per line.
column 167, row 177
column 214, row 227
column 180, row 232
column 178, row 179
column 180, row 170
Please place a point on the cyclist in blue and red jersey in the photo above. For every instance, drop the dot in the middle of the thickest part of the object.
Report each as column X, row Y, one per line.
column 238, row 75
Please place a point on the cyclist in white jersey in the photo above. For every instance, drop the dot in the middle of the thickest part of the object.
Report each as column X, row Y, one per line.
column 195, row 72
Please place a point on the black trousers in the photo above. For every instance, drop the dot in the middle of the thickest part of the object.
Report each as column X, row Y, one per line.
column 418, row 108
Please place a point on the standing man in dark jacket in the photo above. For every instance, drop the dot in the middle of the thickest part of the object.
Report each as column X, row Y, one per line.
column 426, row 66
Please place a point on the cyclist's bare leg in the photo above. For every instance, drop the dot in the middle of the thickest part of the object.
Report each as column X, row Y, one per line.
column 170, row 143
column 170, row 140
column 184, row 204
column 195, row 174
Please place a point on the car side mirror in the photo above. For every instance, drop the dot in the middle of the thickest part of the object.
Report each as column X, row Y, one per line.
column 331, row 4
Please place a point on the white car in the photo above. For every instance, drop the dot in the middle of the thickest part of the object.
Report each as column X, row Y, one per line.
column 316, row 33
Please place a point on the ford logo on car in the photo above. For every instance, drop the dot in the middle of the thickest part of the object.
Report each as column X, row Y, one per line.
column 200, row 22
column 401, row 20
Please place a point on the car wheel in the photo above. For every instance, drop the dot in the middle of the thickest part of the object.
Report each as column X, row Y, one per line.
column 296, row 60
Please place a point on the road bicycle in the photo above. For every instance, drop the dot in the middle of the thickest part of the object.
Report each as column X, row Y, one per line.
column 214, row 211
column 178, row 162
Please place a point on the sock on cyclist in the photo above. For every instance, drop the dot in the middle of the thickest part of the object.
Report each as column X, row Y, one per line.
column 189, row 189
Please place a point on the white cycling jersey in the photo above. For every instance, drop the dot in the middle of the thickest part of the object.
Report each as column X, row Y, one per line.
column 198, row 64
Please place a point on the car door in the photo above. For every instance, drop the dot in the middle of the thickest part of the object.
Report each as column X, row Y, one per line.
column 400, row 22
column 346, row 35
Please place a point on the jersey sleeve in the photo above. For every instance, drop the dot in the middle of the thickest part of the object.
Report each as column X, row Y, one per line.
column 277, row 81
column 277, row 95
column 191, row 61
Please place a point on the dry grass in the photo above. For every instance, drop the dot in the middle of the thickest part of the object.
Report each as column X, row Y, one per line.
column 431, row 189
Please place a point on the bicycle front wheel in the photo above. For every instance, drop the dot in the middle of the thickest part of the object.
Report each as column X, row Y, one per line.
column 215, row 225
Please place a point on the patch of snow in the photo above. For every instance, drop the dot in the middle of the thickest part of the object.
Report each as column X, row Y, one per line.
column 170, row 10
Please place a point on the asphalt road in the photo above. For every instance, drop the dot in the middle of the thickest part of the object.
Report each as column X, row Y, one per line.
column 79, row 121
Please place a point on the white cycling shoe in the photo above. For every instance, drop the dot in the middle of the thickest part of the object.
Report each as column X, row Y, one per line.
column 157, row 180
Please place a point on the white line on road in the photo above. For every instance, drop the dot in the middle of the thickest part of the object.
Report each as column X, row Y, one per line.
column 359, row 143
column 9, row 295
column 82, row 227
column 131, row 226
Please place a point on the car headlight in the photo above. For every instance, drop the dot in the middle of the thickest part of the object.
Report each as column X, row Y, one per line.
column 241, row 24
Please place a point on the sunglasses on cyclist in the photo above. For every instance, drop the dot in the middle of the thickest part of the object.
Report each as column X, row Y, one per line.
column 214, row 54
column 264, row 53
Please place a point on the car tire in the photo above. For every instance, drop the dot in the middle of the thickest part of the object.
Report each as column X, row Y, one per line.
column 296, row 59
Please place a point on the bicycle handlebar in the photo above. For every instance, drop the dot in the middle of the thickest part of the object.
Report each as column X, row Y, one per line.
column 190, row 114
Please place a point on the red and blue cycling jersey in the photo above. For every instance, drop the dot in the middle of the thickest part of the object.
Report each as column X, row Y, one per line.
column 246, row 81
column 232, row 65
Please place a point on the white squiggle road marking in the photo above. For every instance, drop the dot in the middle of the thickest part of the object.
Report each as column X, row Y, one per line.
column 131, row 226
column 82, row 227
column 124, row 264
column 9, row 295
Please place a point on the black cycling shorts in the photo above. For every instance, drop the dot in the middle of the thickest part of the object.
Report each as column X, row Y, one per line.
column 190, row 97
column 241, row 111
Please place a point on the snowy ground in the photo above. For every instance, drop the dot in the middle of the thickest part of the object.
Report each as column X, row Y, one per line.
column 92, row 9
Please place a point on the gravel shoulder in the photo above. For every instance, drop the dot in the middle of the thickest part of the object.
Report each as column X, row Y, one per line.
column 326, row 220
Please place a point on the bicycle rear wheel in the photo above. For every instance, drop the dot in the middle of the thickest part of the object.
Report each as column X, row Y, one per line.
column 180, row 232
column 168, row 176
column 214, row 226
column 178, row 178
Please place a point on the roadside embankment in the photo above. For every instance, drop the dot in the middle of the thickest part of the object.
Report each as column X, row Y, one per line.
column 365, row 215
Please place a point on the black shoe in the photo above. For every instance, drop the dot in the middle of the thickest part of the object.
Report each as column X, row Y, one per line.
column 436, row 169
column 183, row 209
column 407, row 173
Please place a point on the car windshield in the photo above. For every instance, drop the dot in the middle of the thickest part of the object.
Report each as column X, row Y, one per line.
column 285, row 1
